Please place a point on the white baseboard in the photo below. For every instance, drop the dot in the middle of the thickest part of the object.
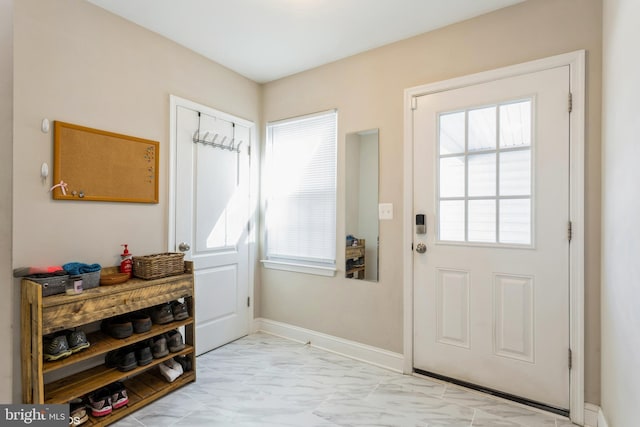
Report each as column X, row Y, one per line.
column 602, row 420
column 354, row 350
column 591, row 415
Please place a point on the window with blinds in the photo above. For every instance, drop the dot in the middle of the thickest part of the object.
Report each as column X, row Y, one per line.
column 300, row 190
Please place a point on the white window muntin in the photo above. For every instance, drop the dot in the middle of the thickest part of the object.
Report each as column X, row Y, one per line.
column 497, row 198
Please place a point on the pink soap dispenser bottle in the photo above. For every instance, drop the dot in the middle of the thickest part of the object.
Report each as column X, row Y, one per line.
column 126, row 263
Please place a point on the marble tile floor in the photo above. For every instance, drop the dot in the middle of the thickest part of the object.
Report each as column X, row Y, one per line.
column 266, row 381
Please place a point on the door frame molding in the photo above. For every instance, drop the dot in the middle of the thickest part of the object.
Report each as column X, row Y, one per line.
column 174, row 102
column 576, row 62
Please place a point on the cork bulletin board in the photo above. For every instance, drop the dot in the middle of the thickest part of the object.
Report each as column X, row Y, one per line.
column 91, row 164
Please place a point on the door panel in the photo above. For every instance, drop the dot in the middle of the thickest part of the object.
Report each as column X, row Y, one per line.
column 491, row 174
column 212, row 214
column 453, row 307
column 513, row 316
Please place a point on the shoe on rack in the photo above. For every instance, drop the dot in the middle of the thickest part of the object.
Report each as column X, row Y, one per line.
column 77, row 412
column 173, row 364
column 184, row 361
column 77, row 341
column 170, row 370
column 162, row 314
column 143, row 354
column 100, row 402
column 124, row 359
column 117, row 327
column 175, row 341
column 56, row 348
column 179, row 310
column 159, row 347
column 141, row 322
column 119, row 397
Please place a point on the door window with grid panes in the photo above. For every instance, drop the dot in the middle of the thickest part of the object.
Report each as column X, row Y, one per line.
column 485, row 174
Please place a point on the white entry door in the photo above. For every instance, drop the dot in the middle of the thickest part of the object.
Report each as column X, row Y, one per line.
column 491, row 291
column 212, row 219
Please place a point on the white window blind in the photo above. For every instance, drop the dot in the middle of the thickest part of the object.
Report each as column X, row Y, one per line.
column 301, row 190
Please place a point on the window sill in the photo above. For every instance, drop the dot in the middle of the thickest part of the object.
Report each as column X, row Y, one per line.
column 299, row 268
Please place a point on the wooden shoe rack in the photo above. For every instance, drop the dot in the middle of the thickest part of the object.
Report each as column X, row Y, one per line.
column 42, row 316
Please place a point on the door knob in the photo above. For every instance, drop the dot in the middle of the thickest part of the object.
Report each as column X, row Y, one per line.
column 421, row 248
column 184, row 247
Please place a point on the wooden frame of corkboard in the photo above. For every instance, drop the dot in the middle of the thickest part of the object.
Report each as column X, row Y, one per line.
column 97, row 165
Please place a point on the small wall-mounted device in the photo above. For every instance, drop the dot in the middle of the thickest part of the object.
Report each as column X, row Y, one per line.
column 44, row 171
column 421, row 226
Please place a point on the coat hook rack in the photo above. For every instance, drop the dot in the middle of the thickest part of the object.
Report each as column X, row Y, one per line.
column 212, row 142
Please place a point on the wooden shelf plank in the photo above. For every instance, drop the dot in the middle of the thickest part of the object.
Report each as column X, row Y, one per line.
column 76, row 385
column 102, row 344
column 137, row 401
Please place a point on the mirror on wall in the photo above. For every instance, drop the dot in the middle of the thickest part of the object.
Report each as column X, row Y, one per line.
column 361, row 216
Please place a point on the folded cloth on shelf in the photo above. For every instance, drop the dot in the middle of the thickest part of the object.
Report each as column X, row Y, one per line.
column 80, row 268
column 27, row 271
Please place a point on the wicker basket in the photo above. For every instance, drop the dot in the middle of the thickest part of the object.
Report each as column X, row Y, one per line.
column 158, row 265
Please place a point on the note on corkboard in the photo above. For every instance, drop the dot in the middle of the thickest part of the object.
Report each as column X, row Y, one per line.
column 91, row 164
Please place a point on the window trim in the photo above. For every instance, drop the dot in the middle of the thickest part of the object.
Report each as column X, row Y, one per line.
column 307, row 268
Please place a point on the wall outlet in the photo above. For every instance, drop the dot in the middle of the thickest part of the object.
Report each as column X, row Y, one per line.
column 385, row 211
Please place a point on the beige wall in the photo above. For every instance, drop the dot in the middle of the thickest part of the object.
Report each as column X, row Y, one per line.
column 75, row 62
column 368, row 89
column 621, row 210
column 78, row 63
column 6, row 137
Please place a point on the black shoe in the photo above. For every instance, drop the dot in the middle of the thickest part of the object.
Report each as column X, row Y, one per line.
column 100, row 402
column 141, row 322
column 119, row 397
column 78, row 413
column 77, row 341
column 56, row 347
column 118, row 327
column 162, row 314
column 159, row 347
column 179, row 310
column 184, row 361
column 175, row 341
column 143, row 354
column 124, row 359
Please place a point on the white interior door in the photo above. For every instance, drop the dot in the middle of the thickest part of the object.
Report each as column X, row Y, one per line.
column 491, row 292
column 211, row 222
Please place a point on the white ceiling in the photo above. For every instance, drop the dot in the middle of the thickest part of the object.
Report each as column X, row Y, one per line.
column 268, row 39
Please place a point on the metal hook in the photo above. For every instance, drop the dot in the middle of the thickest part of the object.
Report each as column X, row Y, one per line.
column 232, row 146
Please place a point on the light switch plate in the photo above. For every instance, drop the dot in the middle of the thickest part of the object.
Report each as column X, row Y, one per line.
column 385, row 211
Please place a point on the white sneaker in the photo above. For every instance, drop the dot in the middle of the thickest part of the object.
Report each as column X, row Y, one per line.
column 173, row 364
column 168, row 373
